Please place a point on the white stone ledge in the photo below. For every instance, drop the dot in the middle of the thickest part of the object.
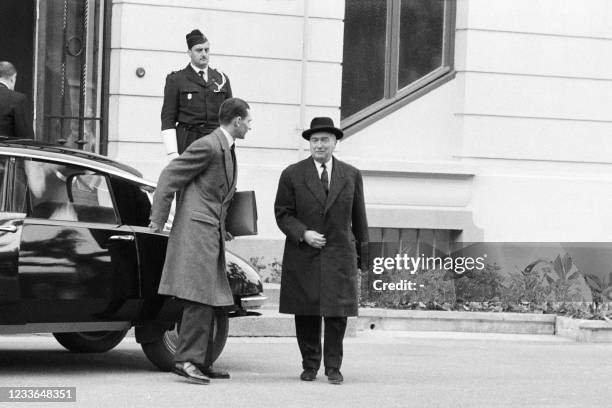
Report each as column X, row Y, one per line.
column 439, row 168
column 451, row 315
column 481, row 322
column 584, row 331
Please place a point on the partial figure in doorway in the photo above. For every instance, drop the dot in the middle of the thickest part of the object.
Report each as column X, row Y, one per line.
column 15, row 117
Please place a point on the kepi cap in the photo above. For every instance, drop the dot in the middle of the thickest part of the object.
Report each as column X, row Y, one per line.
column 195, row 37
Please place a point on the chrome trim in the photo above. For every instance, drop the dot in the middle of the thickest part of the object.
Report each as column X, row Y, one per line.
column 8, row 228
column 253, row 302
column 65, row 158
column 63, row 327
column 121, row 238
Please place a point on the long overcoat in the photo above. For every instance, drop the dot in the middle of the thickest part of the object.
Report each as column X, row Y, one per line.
column 205, row 175
column 323, row 281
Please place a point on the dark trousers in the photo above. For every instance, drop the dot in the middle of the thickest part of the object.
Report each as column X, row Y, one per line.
column 185, row 137
column 195, row 338
column 308, row 333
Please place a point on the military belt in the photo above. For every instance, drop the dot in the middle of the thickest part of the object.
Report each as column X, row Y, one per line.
column 203, row 128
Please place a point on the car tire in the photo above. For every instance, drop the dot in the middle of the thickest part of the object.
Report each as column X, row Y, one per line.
column 161, row 352
column 90, row 342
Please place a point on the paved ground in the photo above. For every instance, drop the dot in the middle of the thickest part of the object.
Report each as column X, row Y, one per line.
column 382, row 369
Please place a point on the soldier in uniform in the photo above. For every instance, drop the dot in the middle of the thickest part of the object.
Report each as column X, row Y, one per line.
column 192, row 97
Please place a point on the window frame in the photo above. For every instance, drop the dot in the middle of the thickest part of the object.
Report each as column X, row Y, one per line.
column 394, row 97
column 114, row 180
column 5, row 183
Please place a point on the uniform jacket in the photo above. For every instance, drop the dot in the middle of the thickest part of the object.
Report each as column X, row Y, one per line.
column 14, row 118
column 193, row 102
column 195, row 259
column 320, row 281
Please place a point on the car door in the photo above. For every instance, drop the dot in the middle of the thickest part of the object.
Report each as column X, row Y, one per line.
column 11, row 225
column 133, row 202
column 76, row 261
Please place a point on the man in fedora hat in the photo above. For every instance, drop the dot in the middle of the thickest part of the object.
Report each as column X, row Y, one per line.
column 192, row 97
column 320, row 208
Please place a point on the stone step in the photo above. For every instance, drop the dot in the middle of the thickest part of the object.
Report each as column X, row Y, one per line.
column 273, row 324
column 480, row 322
column 272, row 293
column 584, row 331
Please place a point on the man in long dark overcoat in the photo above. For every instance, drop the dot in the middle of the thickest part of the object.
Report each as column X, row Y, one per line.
column 320, row 208
column 194, row 269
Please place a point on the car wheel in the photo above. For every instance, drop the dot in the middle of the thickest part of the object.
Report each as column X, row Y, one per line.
column 161, row 352
column 90, row 342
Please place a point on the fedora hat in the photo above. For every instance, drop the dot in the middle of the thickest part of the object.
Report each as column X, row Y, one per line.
column 322, row 124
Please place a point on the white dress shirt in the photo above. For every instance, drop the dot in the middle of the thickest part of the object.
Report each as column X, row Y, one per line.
column 328, row 166
column 230, row 139
column 196, row 69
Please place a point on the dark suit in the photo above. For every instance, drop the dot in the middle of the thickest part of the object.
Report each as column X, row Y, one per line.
column 191, row 106
column 194, row 269
column 15, row 120
column 320, row 282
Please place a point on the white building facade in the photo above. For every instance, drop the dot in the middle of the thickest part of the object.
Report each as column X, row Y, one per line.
column 503, row 138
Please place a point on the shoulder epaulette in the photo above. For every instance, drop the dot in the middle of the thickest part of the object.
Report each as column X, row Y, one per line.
column 218, row 71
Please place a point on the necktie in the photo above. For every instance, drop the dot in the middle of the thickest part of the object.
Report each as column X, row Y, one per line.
column 201, row 74
column 325, row 179
column 233, row 152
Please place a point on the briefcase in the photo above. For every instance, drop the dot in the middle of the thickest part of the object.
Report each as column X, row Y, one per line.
column 242, row 214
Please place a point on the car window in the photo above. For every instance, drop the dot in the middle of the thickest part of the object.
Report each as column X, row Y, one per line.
column 63, row 192
column 133, row 201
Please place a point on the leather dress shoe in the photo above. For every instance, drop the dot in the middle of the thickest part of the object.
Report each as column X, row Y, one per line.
column 334, row 376
column 212, row 373
column 191, row 372
column 309, row 374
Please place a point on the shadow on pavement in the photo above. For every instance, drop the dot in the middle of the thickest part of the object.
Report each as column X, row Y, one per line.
column 56, row 362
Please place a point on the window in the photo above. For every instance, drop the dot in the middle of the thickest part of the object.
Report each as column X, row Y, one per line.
column 133, row 201
column 70, row 72
column 63, row 192
column 392, row 48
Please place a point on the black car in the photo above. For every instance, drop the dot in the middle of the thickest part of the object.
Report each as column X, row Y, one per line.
column 78, row 260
